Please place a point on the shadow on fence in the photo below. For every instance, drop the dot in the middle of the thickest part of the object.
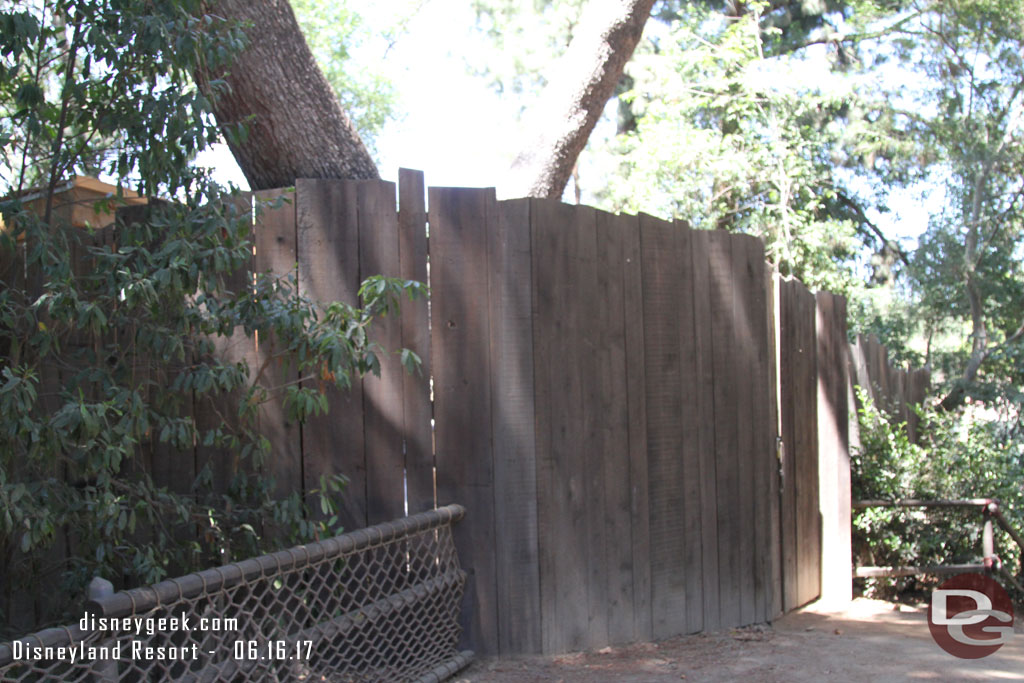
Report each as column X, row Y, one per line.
column 380, row 603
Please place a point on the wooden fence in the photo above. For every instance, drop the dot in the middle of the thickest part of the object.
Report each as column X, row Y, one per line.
column 891, row 388
column 648, row 431
column 604, row 404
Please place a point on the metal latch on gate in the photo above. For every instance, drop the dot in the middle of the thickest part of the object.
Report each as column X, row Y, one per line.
column 780, row 454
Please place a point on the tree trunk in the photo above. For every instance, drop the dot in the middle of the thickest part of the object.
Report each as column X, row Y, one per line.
column 296, row 126
column 583, row 80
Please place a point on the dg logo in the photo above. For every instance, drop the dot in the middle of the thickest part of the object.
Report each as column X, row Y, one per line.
column 970, row 616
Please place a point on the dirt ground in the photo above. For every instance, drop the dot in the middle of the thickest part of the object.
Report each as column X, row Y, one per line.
column 869, row 641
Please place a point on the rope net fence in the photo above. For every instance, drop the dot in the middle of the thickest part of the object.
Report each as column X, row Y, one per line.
column 377, row 604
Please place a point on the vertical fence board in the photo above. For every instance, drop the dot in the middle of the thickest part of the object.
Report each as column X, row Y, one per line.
column 880, row 374
column 833, row 448
column 564, row 541
column 745, row 280
column 612, row 403
column 805, row 440
column 543, row 264
column 788, row 358
column 328, row 254
column 459, row 224
column 416, row 407
column 774, row 605
column 859, row 360
column 382, row 396
column 689, row 507
column 588, row 337
column 276, row 253
column 727, row 379
column 756, row 449
column 917, row 391
column 512, row 424
column 664, row 286
column 637, row 410
column 704, row 393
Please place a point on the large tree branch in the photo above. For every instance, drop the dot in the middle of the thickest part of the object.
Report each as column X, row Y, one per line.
column 583, row 80
column 837, row 38
column 980, row 350
column 296, row 126
column 862, row 217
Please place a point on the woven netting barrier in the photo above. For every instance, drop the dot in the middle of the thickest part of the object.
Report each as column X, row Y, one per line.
column 377, row 604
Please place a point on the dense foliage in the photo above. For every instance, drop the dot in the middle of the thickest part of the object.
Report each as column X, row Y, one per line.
column 104, row 349
column 964, row 286
column 725, row 139
column 963, row 454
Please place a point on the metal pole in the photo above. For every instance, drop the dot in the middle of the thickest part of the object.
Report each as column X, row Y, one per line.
column 105, row 669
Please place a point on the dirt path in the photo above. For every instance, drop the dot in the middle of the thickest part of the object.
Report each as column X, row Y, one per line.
column 871, row 641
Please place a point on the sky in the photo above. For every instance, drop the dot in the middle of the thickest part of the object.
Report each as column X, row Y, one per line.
column 459, row 132
column 454, row 128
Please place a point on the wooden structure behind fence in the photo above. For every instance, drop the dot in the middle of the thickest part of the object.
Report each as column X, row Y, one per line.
column 891, row 388
column 648, row 431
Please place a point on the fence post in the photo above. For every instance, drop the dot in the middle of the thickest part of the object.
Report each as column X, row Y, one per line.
column 105, row 669
column 988, row 544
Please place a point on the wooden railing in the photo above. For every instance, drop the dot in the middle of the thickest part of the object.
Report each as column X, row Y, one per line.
column 991, row 563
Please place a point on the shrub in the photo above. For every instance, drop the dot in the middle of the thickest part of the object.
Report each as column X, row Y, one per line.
column 961, row 454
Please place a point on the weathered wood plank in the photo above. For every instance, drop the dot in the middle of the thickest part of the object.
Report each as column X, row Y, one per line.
column 689, row 507
column 275, row 253
column 859, row 360
column 704, row 392
column 808, row 522
column 788, row 389
column 564, row 540
column 460, row 221
column 382, row 396
column 728, row 379
column 328, row 254
column 664, row 287
column 833, row 449
column 745, row 280
column 774, row 606
column 637, row 411
column 588, row 338
column 612, row 402
column 417, row 408
column 882, row 374
column 512, row 424
column 758, row 454
column 543, row 264
column 917, row 391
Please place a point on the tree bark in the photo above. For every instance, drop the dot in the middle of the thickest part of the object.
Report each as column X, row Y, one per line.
column 583, row 80
column 296, row 126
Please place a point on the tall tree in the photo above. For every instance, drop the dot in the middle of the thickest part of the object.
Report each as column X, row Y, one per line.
column 281, row 118
column 283, row 121
column 573, row 101
column 967, row 268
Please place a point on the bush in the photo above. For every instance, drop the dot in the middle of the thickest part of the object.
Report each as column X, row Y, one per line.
column 97, row 368
column 96, row 364
column 961, row 454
